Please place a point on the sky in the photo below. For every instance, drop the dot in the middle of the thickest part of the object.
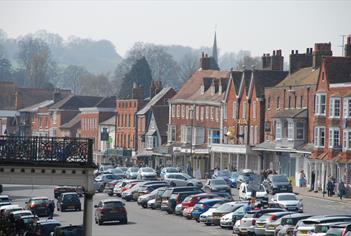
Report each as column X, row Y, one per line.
column 258, row 26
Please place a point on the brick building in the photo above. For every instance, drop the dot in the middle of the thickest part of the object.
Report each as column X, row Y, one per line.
column 243, row 114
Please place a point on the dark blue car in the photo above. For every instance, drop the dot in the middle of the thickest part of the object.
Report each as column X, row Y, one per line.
column 229, row 177
column 204, row 205
column 232, row 179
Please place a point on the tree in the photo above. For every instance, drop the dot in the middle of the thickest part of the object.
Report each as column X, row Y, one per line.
column 5, row 70
column 70, row 78
column 92, row 85
column 34, row 55
column 140, row 74
column 188, row 65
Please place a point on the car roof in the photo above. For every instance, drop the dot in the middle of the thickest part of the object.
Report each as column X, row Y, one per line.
column 268, row 210
column 48, row 221
column 207, row 200
column 298, row 215
column 111, row 200
column 21, row 211
column 69, row 193
column 38, row 198
column 282, row 194
column 326, row 217
column 9, row 207
column 4, row 196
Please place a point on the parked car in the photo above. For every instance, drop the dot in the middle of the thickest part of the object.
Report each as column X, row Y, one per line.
column 101, row 180
column 69, row 201
column 322, row 229
column 105, row 167
column 266, row 218
column 288, row 223
column 72, row 230
column 207, row 215
column 194, row 199
column 216, row 185
column 123, row 168
column 158, row 198
column 20, row 213
column 143, row 199
column 146, row 189
column 110, row 186
column 4, row 200
column 63, row 189
column 168, row 170
column 245, row 192
column 177, row 198
column 225, row 209
column 7, row 209
column 181, row 179
column 224, row 174
column 38, row 205
column 232, row 179
column 307, row 226
column 151, row 204
column 288, row 201
column 110, row 210
column 133, row 192
column 248, row 221
column 244, row 177
column 122, row 186
column 203, row 206
column 277, row 184
column 118, row 172
column 132, row 172
column 47, row 226
column 343, row 229
column 271, row 226
column 146, row 173
column 226, row 221
column 166, row 195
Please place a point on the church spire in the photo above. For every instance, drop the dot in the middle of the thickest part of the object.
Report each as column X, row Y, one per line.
column 214, row 49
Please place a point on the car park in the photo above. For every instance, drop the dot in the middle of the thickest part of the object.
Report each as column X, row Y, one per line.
column 146, row 173
column 143, row 199
column 288, row 223
column 223, row 210
column 277, row 184
column 216, row 185
column 38, row 205
column 168, row 192
column 224, row 174
column 146, row 189
column 181, row 179
column 101, row 180
column 203, row 206
column 69, row 201
column 118, row 172
column 122, row 186
column 132, row 172
column 110, row 210
column 194, row 199
column 271, row 226
column 287, row 201
column 4, row 200
column 343, row 229
column 266, row 218
column 168, row 170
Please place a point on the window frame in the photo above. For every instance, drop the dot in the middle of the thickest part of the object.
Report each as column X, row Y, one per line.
column 332, row 133
column 278, row 126
column 319, row 105
column 318, row 137
column 333, row 108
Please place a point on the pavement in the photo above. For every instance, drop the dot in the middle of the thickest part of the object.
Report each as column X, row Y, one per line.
column 304, row 191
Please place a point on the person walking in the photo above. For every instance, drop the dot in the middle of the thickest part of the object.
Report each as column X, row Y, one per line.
column 302, row 179
column 51, row 209
column 330, row 187
column 342, row 189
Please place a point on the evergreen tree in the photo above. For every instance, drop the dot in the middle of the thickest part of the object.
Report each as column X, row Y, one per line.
column 140, row 74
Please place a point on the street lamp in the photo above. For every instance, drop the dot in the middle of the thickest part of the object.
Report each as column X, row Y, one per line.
column 191, row 110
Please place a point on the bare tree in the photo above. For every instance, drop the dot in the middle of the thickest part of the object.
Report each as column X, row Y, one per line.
column 188, row 65
column 70, row 78
column 95, row 85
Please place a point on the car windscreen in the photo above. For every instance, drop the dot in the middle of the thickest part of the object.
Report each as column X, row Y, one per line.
column 172, row 170
column 227, row 207
column 71, row 198
column 288, row 221
column 41, row 201
column 116, row 171
column 218, row 182
column 224, row 173
column 147, row 170
column 113, row 205
column 250, row 188
column 4, row 199
column 279, row 178
column 134, row 169
column 287, row 197
column 321, row 228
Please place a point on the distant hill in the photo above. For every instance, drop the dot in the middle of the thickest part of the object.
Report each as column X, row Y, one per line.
column 96, row 56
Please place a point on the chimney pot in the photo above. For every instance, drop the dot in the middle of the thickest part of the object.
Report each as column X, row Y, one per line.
column 296, row 51
column 273, row 52
column 292, row 52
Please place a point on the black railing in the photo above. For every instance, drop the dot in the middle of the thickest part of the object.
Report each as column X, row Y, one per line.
column 46, row 150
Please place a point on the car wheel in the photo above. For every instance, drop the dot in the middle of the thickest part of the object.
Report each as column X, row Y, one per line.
column 208, row 224
column 124, row 221
column 172, row 184
column 110, row 194
column 100, row 222
column 189, row 184
column 79, row 208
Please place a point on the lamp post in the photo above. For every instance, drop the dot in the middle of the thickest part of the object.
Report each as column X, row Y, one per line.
column 191, row 110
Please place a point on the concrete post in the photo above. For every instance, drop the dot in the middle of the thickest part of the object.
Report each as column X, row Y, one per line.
column 237, row 161
column 221, row 160
column 88, row 204
column 259, row 166
column 246, row 160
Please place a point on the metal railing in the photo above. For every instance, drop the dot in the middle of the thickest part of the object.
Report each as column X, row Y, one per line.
column 46, row 150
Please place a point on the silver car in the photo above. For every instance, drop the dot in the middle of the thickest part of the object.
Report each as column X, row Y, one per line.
column 147, row 173
column 181, row 179
column 288, row 201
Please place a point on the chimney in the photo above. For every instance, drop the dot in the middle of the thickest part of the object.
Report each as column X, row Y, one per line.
column 137, row 92
column 56, row 95
column 348, row 47
column 299, row 61
column 321, row 50
column 274, row 62
column 208, row 63
column 155, row 88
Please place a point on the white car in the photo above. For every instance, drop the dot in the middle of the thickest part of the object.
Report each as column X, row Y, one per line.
column 206, row 217
column 20, row 213
column 181, row 179
column 227, row 220
column 10, row 208
column 4, row 200
column 151, row 203
column 245, row 192
column 147, row 173
column 288, row 201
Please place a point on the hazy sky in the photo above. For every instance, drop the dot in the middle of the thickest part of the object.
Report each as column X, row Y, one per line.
column 259, row 26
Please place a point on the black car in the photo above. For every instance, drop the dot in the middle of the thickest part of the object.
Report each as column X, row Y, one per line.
column 63, row 189
column 177, row 198
column 72, row 230
column 45, row 227
column 68, row 201
column 217, row 185
column 277, row 184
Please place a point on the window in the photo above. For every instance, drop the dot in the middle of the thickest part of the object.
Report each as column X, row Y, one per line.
column 347, row 140
column 244, row 110
column 171, row 133
column 213, row 136
column 254, row 110
column 278, row 102
column 225, row 111
column 319, row 136
column 186, row 134
column 183, row 111
column 207, row 112
column 54, row 117
column 334, row 137
column 241, row 133
column 295, row 101
column 187, row 112
column 334, row 107
column 278, row 130
column 235, row 110
column 217, row 114
column 301, row 101
column 269, row 103
column 202, row 113
column 197, row 111
column 251, row 135
column 178, row 111
column 245, row 135
column 347, row 107
column 212, row 115
column 173, row 110
column 300, row 130
column 320, row 106
column 290, row 130
column 289, row 103
column 199, row 135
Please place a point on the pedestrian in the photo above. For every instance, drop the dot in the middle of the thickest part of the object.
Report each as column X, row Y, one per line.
column 51, row 209
column 342, row 189
column 302, row 179
column 330, row 187
column 248, row 207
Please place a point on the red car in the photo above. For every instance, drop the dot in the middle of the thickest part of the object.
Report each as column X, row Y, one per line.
column 192, row 200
